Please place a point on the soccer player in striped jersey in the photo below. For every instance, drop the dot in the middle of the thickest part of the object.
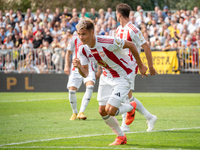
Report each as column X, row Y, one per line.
column 75, row 79
column 115, row 81
column 130, row 32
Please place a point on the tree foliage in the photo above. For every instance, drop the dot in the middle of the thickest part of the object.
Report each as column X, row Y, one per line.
column 97, row 4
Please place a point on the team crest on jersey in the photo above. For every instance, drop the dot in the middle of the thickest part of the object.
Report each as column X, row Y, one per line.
column 119, row 42
column 102, row 54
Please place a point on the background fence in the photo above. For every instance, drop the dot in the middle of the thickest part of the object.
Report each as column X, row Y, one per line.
column 181, row 60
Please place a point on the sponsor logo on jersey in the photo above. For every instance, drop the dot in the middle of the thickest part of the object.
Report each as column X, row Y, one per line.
column 102, row 54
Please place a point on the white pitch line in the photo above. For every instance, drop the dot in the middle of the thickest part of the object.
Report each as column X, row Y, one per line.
column 85, row 147
column 29, row 100
column 52, row 139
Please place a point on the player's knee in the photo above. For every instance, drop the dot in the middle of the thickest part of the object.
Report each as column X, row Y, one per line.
column 110, row 111
column 102, row 111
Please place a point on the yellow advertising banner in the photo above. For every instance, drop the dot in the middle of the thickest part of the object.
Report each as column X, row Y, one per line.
column 163, row 62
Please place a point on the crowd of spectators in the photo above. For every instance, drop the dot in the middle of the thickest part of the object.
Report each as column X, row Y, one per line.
column 37, row 42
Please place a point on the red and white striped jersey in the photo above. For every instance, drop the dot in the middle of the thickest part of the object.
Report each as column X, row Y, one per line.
column 73, row 46
column 131, row 33
column 109, row 54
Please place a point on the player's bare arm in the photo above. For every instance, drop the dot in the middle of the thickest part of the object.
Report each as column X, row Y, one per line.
column 98, row 73
column 135, row 53
column 83, row 69
column 147, row 51
column 67, row 62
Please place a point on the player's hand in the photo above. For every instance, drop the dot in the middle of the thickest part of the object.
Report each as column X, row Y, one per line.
column 76, row 63
column 152, row 71
column 143, row 70
column 67, row 70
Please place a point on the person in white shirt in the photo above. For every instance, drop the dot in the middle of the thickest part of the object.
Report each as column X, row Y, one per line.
column 180, row 24
column 130, row 32
column 192, row 26
column 116, row 79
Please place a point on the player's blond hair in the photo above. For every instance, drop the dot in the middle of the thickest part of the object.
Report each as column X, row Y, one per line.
column 85, row 23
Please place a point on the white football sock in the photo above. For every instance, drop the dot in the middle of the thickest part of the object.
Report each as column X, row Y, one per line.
column 86, row 97
column 112, row 122
column 73, row 100
column 127, row 101
column 123, row 108
column 141, row 109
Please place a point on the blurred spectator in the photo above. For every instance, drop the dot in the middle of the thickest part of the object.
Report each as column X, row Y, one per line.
column 29, row 14
column 56, row 59
column 109, row 14
column 192, row 26
column 195, row 56
column 84, row 13
column 180, row 24
column 37, row 42
column 57, row 14
column 55, row 43
column 137, row 13
column 67, row 14
column 17, row 41
column 73, row 22
column 93, row 15
column 155, row 16
column 2, row 22
column 165, row 11
column 26, row 46
column 101, row 13
column 2, row 34
column 141, row 18
column 1, row 62
column 166, row 46
column 9, row 65
column 9, row 43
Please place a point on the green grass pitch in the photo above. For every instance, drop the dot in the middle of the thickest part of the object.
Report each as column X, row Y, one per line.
column 41, row 121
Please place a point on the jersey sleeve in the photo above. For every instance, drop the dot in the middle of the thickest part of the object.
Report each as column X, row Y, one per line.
column 136, row 36
column 117, row 44
column 83, row 56
column 71, row 45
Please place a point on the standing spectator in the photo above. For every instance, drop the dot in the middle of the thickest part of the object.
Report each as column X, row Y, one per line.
column 47, row 36
column 196, row 12
column 156, row 13
column 137, row 13
column 93, row 15
column 184, row 40
column 109, row 14
column 28, row 14
column 165, row 11
column 48, row 11
column 84, row 13
column 67, row 14
column 58, row 15
column 57, row 60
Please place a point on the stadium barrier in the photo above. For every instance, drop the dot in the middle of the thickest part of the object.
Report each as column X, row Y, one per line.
column 182, row 83
column 40, row 61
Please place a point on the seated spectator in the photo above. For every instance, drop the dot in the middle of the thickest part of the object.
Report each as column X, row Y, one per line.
column 17, row 41
column 192, row 26
column 1, row 62
column 37, row 42
column 158, row 44
column 26, row 46
column 166, row 46
column 55, row 43
column 9, row 43
column 9, row 65
column 2, row 34
column 101, row 13
column 56, row 32
column 28, row 67
column 47, row 37
column 141, row 18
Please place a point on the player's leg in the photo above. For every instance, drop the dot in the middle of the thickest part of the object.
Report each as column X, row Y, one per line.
column 151, row 119
column 74, row 83
column 89, row 83
column 104, row 92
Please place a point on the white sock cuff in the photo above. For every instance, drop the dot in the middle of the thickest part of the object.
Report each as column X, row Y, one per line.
column 90, row 87
column 72, row 91
column 106, row 117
